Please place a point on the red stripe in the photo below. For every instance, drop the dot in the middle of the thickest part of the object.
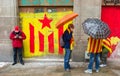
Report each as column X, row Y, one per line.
column 41, row 42
column 60, row 32
column 94, row 44
column 107, row 44
column 98, row 46
column 31, row 27
column 51, row 43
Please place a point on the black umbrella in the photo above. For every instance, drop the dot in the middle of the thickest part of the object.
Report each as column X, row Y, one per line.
column 96, row 28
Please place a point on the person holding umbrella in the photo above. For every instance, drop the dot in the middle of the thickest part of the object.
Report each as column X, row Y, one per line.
column 97, row 30
column 68, row 39
column 94, row 48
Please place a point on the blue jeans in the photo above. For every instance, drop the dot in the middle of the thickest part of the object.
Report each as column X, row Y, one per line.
column 94, row 57
column 67, row 58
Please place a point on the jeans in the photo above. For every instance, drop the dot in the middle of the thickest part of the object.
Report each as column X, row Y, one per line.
column 67, row 58
column 94, row 57
column 17, row 51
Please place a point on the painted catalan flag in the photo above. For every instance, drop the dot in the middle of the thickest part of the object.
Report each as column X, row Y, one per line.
column 42, row 36
column 94, row 45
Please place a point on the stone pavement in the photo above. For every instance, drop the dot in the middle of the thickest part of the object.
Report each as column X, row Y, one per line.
column 49, row 68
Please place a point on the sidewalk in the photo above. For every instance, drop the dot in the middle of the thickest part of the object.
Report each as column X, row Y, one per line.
column 48, row 68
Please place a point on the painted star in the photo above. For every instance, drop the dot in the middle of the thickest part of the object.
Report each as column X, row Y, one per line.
column 45, row 22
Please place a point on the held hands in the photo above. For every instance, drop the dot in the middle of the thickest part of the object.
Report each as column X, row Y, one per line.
column 16, row 36
column 19, row 37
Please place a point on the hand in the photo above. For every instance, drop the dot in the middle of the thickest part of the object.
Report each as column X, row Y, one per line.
column 15, row 37
column 20, row 37
column 88, row 54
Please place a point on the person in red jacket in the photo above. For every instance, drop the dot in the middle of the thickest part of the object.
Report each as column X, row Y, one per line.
column 17, row 37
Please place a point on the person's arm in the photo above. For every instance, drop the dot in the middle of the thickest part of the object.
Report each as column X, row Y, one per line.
column 12, row 36
column 22, row 36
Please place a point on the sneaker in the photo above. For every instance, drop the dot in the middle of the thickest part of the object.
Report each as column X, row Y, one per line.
column 67, row 70
column 88, row 71
column 97, row 71
column 103, row 65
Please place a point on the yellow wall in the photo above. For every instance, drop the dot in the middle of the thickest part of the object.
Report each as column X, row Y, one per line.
column 33, row 19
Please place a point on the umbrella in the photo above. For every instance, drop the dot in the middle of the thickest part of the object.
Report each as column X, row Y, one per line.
column 96, row 28
column 66, row 19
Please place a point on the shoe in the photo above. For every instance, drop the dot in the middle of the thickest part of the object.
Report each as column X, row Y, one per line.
column 22, row 63
column 88, row 71
column 103, row 65
column 14, row 63
column 97, row 71
column 67, row 70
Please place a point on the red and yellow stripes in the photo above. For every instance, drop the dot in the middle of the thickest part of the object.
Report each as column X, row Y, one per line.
column 94, row 45
column 107, row 44
column 42, row 38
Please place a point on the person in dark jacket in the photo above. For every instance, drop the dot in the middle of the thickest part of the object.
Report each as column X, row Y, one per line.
column 67, row 37
column 17, row 37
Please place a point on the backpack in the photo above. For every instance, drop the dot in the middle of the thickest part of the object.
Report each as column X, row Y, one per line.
column 62, row 43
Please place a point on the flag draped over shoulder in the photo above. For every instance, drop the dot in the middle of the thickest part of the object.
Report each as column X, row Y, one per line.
column 94, row 45
column 107, row 44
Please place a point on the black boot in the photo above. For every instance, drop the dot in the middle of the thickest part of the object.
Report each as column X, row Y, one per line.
column 14, row 63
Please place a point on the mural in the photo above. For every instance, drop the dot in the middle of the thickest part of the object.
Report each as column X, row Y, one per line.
column 111, row 16
column 42, row 35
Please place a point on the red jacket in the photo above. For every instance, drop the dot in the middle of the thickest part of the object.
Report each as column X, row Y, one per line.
column 17, row 42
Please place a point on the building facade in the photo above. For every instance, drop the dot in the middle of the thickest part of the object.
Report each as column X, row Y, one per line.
column 37, row 18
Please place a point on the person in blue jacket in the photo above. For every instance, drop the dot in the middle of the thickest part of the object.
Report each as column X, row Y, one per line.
column 67, row 38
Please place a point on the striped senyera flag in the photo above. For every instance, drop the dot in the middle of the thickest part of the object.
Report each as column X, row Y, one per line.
column 94, row 45
column 107, row 44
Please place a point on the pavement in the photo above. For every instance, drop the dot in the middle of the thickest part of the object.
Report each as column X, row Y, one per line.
column 55, row 68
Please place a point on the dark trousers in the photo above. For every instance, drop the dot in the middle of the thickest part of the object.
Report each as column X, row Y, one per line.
column 104, row 55
column 17, row 53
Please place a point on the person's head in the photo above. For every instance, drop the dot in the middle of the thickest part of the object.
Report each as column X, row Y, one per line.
column 16, row 28
column 71, row 27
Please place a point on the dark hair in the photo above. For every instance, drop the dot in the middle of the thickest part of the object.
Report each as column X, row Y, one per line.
column 70, row 26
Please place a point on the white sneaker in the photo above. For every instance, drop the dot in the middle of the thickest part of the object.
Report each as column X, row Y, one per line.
column 97, row 71
column 88, row 71
column 103, row 65
column 67, row 70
